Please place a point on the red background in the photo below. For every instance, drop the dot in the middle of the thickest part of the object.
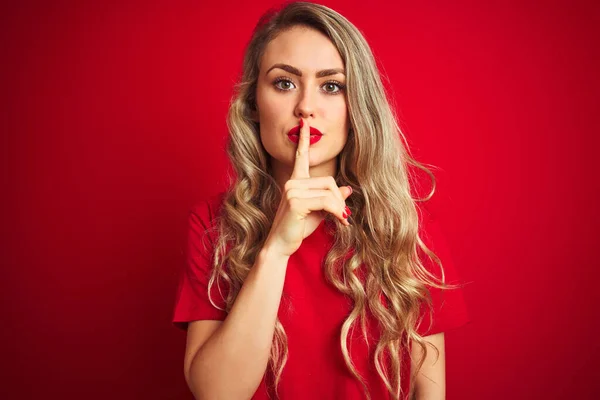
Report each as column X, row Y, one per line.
column 113, row 125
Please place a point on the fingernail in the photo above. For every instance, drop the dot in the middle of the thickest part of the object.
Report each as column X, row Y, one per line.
column 345, row 214
column 350, row 220
column 348, row 211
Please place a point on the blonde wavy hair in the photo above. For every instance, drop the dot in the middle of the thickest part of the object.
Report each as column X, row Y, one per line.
column 375, row 163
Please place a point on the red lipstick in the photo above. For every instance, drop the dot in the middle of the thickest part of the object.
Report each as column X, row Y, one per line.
column 294, row 134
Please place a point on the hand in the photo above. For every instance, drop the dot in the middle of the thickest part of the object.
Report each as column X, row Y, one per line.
column 304, row 200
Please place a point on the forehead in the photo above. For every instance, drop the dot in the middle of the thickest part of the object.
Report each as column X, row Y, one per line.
column 304, row 48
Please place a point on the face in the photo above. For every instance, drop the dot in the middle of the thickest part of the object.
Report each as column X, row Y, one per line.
column 283, row 97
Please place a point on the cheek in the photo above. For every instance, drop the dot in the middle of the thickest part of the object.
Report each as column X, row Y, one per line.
column 340, row 107
column 341, row 111
column 268, row 110
column 269, row 105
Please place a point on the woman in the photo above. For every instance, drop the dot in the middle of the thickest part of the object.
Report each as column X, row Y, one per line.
column 282, row 295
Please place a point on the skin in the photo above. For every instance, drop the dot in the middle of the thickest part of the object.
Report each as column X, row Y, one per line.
column 430, row 383
column 321, row 102
column 283, row 98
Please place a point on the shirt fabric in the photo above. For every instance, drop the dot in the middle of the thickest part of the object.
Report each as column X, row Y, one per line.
column 312, row 312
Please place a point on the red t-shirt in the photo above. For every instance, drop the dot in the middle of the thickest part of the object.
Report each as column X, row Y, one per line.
column 312, row 312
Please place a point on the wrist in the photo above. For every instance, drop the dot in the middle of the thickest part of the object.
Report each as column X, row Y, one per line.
column 269, row 254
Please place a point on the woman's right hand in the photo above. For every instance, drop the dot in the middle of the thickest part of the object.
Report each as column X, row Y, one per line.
column 304, row 202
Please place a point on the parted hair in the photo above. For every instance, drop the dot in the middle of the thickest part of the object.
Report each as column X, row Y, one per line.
column 376, row 163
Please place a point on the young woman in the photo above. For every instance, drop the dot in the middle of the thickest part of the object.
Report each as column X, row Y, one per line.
column 318, row 274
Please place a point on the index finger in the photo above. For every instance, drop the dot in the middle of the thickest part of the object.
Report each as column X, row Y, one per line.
column 301, row 166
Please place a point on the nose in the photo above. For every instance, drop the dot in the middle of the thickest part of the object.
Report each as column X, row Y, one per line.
column 306, row 105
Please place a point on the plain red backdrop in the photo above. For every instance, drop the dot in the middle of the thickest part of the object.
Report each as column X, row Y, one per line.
column 113, row 125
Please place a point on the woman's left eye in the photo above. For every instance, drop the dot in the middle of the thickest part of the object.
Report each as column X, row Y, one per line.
column 334, row 86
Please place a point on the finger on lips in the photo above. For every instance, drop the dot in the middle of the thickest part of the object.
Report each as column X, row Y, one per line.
column 302, row 170
column 301, row 165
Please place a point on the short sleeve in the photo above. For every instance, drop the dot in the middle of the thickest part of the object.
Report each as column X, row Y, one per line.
column 192, row 301
column 448, row 305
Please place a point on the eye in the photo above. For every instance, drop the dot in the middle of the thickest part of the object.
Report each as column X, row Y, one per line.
column 333, row 87
column 283, row 84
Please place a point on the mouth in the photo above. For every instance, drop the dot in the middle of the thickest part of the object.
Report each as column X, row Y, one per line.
column 294, row 135
column 295, row 131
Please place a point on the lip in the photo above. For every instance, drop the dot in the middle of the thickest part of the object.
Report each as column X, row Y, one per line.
column 313, row 138
column 296, row 131
column 315, row 135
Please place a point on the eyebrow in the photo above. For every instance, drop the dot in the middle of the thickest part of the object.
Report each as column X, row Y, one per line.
column 296, row 71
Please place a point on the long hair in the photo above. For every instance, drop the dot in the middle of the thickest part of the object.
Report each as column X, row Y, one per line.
column 375, row 162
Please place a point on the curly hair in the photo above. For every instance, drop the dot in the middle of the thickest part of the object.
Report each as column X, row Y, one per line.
column 375, row 162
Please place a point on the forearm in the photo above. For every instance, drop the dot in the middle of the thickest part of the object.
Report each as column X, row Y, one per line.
column 232, row 362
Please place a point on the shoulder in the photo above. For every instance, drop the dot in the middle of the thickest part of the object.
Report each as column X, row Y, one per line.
column 428, row 224
column 203, row 217
column 431, row 233
column 208, row 209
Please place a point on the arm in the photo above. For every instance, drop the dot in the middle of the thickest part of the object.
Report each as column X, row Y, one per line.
column 230, row 362
column 430, row 383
